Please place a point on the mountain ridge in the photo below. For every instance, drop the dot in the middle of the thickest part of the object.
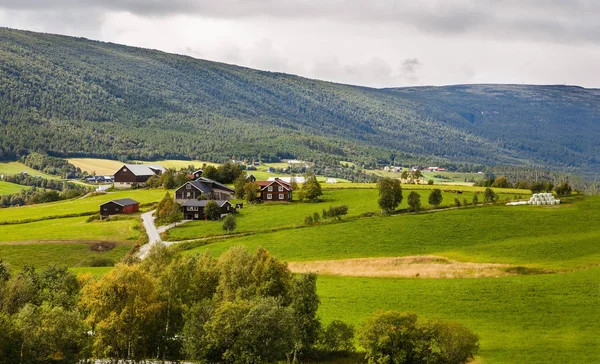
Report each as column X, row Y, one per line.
column 100, row 99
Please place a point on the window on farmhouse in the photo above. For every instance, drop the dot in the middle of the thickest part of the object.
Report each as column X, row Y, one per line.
column 281, row 196
column 270, row 188
column 280, row 188
column 269, row 196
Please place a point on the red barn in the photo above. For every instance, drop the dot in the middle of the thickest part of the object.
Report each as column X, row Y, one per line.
column 121, row 206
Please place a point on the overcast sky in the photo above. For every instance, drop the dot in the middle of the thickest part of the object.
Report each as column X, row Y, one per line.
column 376, row 43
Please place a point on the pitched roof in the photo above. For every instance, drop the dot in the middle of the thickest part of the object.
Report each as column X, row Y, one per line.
column 202, row 203
column 215, row 184
column 265, row 184
column 123, row 202
column 144, row 169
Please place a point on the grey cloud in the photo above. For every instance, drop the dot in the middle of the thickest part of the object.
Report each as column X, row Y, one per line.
column 410, row 65
column 548, row 20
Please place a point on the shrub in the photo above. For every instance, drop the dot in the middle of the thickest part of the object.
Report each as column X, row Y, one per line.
column 229, row 224
column 337, row 337
column 99, row 262
column 212, row 210
column 489, row 195
column 414, row 201
column 394, row 337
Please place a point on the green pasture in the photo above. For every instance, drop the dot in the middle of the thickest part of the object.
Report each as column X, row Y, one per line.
column 546, row 237
column 18, row 167
column 552, row 318
column 7, row 188
column 76, row 206
column 67, row 254
column 268, row 216
column 72, row 228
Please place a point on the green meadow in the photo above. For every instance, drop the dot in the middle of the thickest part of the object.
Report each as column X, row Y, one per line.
column 71, row 228
column 18, row 167
column 545, row 237
column 7, row 188
column 269, row 216
column 550, row 318
column 527, row 318
column 76, row 206
column 68, row 254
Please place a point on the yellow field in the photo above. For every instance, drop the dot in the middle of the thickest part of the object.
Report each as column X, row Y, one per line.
column 109, row 167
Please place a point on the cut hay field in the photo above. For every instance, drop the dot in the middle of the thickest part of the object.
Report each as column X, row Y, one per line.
column 109, row 166
column 17, row 167
column 7, row 188
column 551, row 318
column 76, row 206
column 269, row 216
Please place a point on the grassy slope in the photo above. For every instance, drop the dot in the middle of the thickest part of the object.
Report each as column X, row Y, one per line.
column 17, row 167
column 72, row 228
column 269, row 216
column 42, row 255
column 7, row 188
column 525, row 319
column 526, row 235
column 89, row 204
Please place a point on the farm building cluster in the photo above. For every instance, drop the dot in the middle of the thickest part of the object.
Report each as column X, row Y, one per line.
column 195, row 193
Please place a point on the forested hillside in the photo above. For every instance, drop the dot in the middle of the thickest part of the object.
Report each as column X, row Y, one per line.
column 75, row 97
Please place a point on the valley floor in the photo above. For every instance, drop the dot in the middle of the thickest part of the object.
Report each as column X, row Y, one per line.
column 524, row 278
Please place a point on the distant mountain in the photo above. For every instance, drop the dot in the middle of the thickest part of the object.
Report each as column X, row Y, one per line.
column 76, row 97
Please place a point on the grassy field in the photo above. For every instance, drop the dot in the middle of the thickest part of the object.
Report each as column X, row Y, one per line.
column 268, row 216
column 71, row 228
column 544, row 237
column 17, row 167
column 71, row 255
column 538, row 318
column 76, row 206
column 550, row 318
column 7, row 188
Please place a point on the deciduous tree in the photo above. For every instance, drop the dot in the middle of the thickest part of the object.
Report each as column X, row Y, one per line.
column 414, row 201
column 390, row 194
column 435, row 197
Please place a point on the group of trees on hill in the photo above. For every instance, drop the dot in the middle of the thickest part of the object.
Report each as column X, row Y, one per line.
column 44, row 190
column 238, row 308
column 51, row 165
column 563, row 189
